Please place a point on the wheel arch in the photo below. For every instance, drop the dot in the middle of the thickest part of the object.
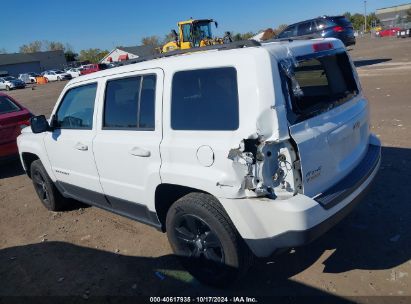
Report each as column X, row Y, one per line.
column 166, row 195
column 28, row 158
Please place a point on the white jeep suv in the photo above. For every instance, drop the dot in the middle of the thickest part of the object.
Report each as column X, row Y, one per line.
column 234, row 152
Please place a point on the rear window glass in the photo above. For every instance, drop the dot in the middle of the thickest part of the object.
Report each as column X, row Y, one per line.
column 319, row 84
column 342, row 21
column 7, row 106
column 205, row 99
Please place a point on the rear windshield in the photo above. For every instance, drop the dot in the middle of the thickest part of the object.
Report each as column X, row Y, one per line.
column 7, row 106
column 317, row 85
column 342, row 21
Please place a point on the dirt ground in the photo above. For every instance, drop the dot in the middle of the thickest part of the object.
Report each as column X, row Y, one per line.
column 89, row 252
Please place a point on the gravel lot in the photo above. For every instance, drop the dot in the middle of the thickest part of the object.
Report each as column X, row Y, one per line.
column 89, row 252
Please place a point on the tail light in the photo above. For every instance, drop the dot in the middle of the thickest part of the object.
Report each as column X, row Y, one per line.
column 338, row 29
column 318, row 47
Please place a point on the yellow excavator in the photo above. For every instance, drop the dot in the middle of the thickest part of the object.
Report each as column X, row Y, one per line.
column 194, row 33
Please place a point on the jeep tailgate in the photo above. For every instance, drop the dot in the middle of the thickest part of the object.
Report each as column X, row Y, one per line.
column 329, row 116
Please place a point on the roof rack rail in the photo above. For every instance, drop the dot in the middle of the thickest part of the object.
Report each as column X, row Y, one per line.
column 289, row 39
column 219, row 47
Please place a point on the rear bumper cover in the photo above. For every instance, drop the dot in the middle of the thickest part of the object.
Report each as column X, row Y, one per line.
column 271, row 225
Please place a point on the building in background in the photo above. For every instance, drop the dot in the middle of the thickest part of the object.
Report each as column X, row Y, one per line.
column 394, row 16
column 128, row 52
column 18, row 63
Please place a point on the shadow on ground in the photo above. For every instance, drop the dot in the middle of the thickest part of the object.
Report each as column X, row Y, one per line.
column 374, row 237
column 11, row 168
column 361, row 63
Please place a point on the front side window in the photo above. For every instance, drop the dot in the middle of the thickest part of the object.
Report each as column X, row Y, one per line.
column 288, row 32
column 129, row 103
column 77, row 107
column 205, row 99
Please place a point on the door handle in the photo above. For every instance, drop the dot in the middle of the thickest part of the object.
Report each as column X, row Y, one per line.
column 81, row 147
column 136, row 151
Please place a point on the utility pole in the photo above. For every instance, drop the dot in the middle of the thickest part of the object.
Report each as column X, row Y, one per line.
column 365, row 16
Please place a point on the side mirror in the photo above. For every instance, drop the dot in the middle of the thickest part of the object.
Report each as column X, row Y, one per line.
column 39, row 124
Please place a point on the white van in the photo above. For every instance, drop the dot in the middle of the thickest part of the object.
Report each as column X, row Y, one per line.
column 234, row 152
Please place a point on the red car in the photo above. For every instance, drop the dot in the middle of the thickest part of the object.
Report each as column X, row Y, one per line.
column 13, row 117
column 388, row 32
column 91, row 68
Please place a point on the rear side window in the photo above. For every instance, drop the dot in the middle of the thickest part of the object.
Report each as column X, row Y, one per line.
column 7, row 106
column 305, row 28
column 129, row 103
column 77, row 107
column 205, row 99
column 319, row 84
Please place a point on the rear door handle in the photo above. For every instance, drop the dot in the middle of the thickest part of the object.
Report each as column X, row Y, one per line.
column 137, row 151
column 81, row 147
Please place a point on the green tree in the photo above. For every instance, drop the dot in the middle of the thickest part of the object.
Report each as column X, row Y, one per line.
column 35, row 46
column 70, row 56
column 151, row 40
column 92, row 55
column 241, row 36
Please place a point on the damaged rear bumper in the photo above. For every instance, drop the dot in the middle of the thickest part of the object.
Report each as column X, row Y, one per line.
column 267, row 225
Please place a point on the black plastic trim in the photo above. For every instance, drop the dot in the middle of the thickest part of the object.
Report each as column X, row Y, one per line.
column 352, row 181
column 132, row 210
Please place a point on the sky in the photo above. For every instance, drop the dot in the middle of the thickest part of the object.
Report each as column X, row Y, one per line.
column 105, row 24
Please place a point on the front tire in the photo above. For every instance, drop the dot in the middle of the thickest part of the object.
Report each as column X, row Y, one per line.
column 7, row 88
column 203, row 236
column 47, row 192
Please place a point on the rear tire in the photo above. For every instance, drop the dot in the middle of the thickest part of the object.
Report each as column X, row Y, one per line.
column 47, row 192
column 202, row 235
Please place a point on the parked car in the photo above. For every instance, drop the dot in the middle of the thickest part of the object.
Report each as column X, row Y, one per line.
column 226, row 178
column 56, row 75
column 28, row 77
column 91, row 68
column 404, row 33
column 74, row 72
column 13, row 117
column 9, row 83
column 388, row 32
column 323, row 27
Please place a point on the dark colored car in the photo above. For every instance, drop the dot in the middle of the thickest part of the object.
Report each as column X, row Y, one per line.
column 321, row 27
column 91, row 68
column 13, row 117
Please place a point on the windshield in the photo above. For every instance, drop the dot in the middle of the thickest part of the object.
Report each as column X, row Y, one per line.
column 201, row 30
column 7, row 106
column 59, row 72
column 9, row 78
